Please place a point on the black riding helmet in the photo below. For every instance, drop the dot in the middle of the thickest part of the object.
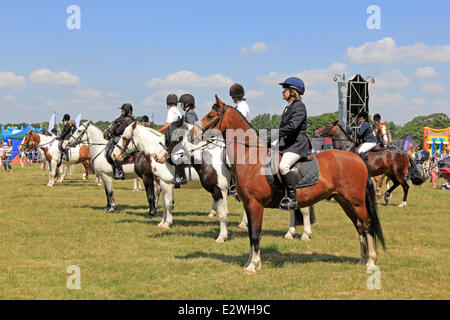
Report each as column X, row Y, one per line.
column 66, row 117
column 172, row 99
column 376, row 117
column 128, row 108
column 237, row 91
column 363, row 114
column 145, row 118
column 187, row 99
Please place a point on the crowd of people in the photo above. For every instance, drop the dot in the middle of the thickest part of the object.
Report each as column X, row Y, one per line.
column 26, row 156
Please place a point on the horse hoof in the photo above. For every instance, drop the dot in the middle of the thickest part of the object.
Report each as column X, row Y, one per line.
column 362, row 261
column 243, row 226
column 220, row 240
column 212, row 214
column 50, row 185
column 111, row 210
column 401, row 205
column 305, row 237
column 250, row 270
column 289, row 236
column 164, row 226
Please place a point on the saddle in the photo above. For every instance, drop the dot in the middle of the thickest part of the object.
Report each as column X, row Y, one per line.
column 306, row 169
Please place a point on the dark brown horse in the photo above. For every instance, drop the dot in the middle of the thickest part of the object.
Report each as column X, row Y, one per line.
column 353, row 190
column 392, row 162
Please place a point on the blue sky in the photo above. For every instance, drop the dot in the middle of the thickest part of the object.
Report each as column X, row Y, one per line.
column 139, row 51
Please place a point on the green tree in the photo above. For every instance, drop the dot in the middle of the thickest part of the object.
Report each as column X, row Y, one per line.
column 416, row 125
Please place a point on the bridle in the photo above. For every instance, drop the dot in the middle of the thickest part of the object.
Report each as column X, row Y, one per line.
column 217, row 120
column 78, row 140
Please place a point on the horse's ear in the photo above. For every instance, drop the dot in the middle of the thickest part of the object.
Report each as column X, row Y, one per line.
column 335, row 123
column 134, row 125
column 219, row 102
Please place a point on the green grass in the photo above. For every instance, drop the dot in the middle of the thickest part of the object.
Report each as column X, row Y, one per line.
column 124, row 256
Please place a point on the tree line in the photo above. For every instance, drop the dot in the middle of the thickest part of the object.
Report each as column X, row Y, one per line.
column 413, row 127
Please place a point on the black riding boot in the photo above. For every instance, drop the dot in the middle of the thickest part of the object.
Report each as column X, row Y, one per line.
column 232, row 189
column 119, row 174
column 180, row 175
column 364, row 156
column 66, row 154
column 289, row 202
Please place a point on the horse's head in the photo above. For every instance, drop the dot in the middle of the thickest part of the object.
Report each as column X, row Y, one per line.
column 29, row 141
column 329, row 130
column 382, row 133
column 175, row 133
column 80, row 135
column 215, row 119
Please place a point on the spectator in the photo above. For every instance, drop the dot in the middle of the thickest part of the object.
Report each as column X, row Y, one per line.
column 7, row 152
column 434, row 174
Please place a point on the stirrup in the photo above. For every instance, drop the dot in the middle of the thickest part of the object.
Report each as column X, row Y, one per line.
column 288, row 204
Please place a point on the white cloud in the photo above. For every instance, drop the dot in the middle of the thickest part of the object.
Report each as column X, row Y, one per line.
column 62, row 78
column 258, row 47
column 112, row 94
column 432, row 87
column 8, row 98
column 88, row 94
column 426, row 72
column 393, row 79
column 254, row 94
column 386, row 51
column 310, row 77
column 10, row 80
column 188, row 79
column 159, row 97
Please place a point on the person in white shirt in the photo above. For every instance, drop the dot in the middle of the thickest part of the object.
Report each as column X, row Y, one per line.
column 237, row 93
column 173, row 113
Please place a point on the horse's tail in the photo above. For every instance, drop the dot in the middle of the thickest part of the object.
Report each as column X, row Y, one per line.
column 414, row 173
column 371, row 206
column 299, row 216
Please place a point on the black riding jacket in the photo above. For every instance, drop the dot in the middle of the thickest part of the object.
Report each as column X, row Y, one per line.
column 66, row 132
column 292, row 131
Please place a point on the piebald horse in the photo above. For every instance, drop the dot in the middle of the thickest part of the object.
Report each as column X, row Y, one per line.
column 49, row 145
column 211, row 174
column 353, row 190
column 392, row 162
column 92, row 136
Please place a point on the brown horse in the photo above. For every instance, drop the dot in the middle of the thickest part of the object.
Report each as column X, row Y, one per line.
column 353, row 190
column 392, row 162
column 384, row 136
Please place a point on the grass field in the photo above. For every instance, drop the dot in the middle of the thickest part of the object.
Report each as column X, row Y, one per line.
column 124, row 256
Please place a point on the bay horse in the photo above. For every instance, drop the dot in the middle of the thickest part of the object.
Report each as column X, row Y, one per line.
column 49, row 145
column 179, row 134
column 89, row 134
column 353, row 190
column 392, row 162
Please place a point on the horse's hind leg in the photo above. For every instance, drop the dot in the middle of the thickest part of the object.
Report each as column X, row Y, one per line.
column 222, row 212
column 150, row 191
column 387, row 195
column 405, row 187
column 350, row 211
column 213, row 211
column 292, row 231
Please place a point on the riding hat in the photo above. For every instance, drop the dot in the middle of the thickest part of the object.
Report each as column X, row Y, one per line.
column 144, row 118
column 294, row 83
column 66, row 117
column 376, row 116
column 237, row 91
column 188, row 99
column 172, row 99
column 363, row 114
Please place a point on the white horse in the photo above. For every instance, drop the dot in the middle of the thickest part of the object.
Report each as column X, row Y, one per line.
column 92, row 136
column 49, row 145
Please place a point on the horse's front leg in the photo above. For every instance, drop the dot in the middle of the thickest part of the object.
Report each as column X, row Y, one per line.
column 222, row 212
column 51, row 180
column 213, row 211
column 254, row 212
column 107, row 182
column 292, row 231
column 167, row 219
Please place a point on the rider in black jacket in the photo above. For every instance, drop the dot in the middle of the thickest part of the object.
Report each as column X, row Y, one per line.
column 113, row 134
column 65, row 135
column 294, row 144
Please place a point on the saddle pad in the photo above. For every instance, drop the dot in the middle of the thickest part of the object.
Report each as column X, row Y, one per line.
column 309, row 171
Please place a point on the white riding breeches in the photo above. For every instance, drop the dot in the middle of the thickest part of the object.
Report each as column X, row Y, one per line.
column 178, row 157
column 367, row 146
column 287, row 161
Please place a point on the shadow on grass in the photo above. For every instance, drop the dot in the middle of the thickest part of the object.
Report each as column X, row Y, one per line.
column 273, row 257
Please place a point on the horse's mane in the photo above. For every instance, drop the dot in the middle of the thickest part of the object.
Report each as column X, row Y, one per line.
column 243, row 118
column 345, row 132
column 151, row 130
